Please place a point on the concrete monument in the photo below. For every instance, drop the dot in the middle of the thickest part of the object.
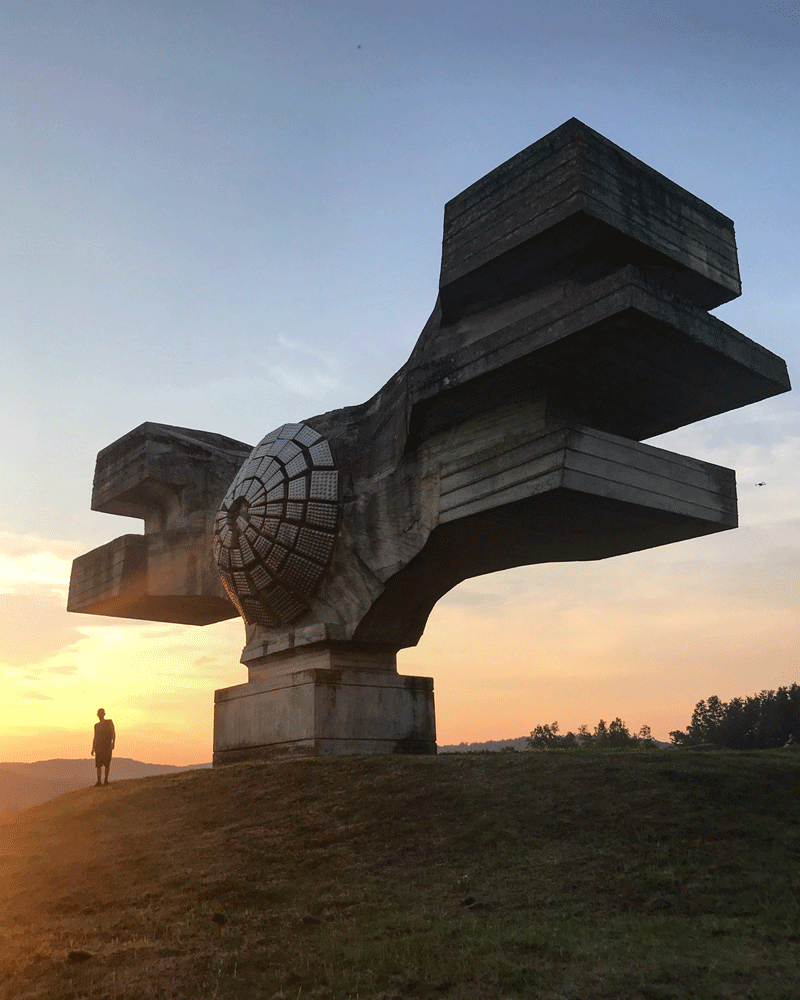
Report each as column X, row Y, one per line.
column 572, row 322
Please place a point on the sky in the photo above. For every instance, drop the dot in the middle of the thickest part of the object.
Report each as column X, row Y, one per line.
column 227, row 215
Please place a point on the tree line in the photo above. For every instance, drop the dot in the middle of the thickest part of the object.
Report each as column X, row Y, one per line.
column 763, row 721
column 613, row 736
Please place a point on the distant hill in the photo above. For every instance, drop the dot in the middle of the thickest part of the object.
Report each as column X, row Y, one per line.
column 27, row 784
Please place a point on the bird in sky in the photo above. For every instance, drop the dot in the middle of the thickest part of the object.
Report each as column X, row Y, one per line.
column 761, row 484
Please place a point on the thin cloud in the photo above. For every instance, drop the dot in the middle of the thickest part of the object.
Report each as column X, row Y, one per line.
column 31, row 564
column 36, row 672
column 305, row 371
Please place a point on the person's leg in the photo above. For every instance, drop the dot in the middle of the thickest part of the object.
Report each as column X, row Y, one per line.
column 106, row 767
column 98, row 782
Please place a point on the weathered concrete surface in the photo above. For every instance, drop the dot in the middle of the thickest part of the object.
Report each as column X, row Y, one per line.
column 511, row 497
column 325, row 700
column 572, row 323
column 489, row 494
column 623, row 353
column 173, row 479
column 572, row 201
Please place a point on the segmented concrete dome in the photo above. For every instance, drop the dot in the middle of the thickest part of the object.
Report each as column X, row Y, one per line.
column 275, row 530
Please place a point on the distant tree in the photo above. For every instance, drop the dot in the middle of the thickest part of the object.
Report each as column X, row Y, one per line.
column 761, row 721
column 707, row 724
column 619, row 736
column 609, row 736
column 645, row 737
column 547, row 737
column 707, row 720
column 544, row 737
column 778, row 717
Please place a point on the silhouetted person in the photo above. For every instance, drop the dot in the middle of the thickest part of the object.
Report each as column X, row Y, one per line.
column 103, row 744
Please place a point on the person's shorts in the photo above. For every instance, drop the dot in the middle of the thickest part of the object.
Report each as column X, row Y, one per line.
column 102, row 759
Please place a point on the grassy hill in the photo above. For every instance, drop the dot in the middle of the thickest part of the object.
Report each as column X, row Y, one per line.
column 585, row 875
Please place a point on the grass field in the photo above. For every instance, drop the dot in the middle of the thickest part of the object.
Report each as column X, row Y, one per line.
column 585, row 875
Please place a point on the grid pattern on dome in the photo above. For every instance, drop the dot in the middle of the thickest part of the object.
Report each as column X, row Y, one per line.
column 276, row 527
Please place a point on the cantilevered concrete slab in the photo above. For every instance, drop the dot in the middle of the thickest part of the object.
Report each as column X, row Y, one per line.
column 622, row 352
column 572, row 323
column 173, row 479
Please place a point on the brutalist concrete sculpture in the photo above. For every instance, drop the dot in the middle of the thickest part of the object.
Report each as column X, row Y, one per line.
column 572, row 322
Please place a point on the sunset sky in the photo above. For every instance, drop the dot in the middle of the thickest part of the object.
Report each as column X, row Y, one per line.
column 227, row 215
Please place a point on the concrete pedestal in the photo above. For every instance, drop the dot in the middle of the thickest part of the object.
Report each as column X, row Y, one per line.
column 326, row 699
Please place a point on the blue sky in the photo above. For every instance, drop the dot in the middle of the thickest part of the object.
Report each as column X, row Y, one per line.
column 227, row 215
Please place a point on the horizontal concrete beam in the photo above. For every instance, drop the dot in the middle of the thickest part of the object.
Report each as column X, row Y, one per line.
column 564, row 494
column 621, row 353
column 115, row 580
column 619, row 467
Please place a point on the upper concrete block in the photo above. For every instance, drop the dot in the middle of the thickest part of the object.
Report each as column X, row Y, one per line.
column 143, row 473
column 174, row 479
column 574, row 199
